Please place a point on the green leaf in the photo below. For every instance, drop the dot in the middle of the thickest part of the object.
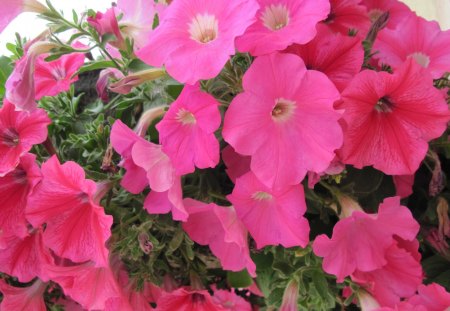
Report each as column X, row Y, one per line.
column 239, row 279
column 95, row 66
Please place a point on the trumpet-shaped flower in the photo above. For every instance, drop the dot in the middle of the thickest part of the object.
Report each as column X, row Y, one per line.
column 283, row 102
column 184, row 299
column 418, row 39
column 282, row 23
column 76, row 226
column 272, row 216
column 346, row 15
column 230, row 300
column 19, row 131
column 186, row 132
column 196, row 38
column 220, row 229
column 339, row 57
column 390, row 118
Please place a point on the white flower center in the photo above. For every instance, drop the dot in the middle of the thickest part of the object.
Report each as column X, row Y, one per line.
column 421, row 58
column 204, row 28
column 275, row 16
column 283, row 109
column 185, row 117
column 261, row 196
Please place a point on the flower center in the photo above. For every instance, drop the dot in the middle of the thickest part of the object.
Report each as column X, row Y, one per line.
column 204, row 28
column 10, row 137
column 283, row 109
column 384, row 105
column 185, row 117
column 19, row 176
column 421, row 58
column 375, row 14
column 59, row 73
column 275, row 16
column 261, row 196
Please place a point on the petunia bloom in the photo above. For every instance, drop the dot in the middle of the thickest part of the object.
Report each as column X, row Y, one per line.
column 220, row 229
column 433, row 297
column 272, row 216
column 360, row 241
column 29, row 298
column 282, row 23
column 76, row 226
column 230, row 300
column 237, row 164
column 348, row 15
column 54, row 77
column 290, row 297
column 15, row 187
column 283, row 102
column 104, row 80
column 106, row 24
column 339, row 57
column 12, row 8
column 390, row 118
column 184, row 299
column 186, row 131
column 398, row 11
column 418, row 39
column 196, row 38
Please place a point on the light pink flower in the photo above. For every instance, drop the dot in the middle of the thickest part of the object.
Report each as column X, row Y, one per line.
column 290, row 297
column 390, row 118
column 15, row 187
column 196, row 38
column 220, row 229
column 186, row 131
column 19, row 131
column 54, row 77
column 282, row 23
column 76, row 226
column 272, row 216
column 283, row 103
column 127, row 83
column 433, row 297
column 104, row 80
column 29, row 298
column 230, row 300
column 184, row 299
column 360, row 241
column 237, row 164
column 346, row 15
column 106, row 24
column 398, row 11
column 339, row 57
column 418, row 39
column 25, row 257
column 12, row 8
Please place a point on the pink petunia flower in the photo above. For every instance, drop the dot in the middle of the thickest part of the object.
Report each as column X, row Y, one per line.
column 12, row 8
column 220, row 229
column 390, row 118
column 418, row 39
column 282, row 23
column 184, row 299
column 196, row 38
column 290, row 297
column 230, row 300
column 237, row 164
column 398, row 11
column 186, row 132
column 433, row 297
column 272, row 216
column 25, row 257
column 54, row 77
column 76, row 226
column 107, row 24
column 339, row 57
column 346, row 15
column 104, row 80
column 403, row 185
column 283, row 102
column 361, row 241
column 29, row 298
column 19, row 131
column 15, row 187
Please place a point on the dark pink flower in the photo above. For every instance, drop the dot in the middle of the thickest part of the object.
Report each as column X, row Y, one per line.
column 19, row 131
column 106, row 24
column 186, row 131
column 272, row 216
column 230, row 301
column 433, row 297
column 360, row 241
column 29, row 298
column 418, row 39
column 184, row 299
column 15, row 187
column 398, row 11
column 339, row 57
column 196, row 38
column 237, row 164
column 283, row 102
column 403, row 185
column 346, row 15
column 390, row 118
column 12, row 8
column 76, row 226
column 282, row 23
column 54, row 77
column 220, row 229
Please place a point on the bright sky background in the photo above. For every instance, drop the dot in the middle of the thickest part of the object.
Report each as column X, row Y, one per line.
column 29, row 26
